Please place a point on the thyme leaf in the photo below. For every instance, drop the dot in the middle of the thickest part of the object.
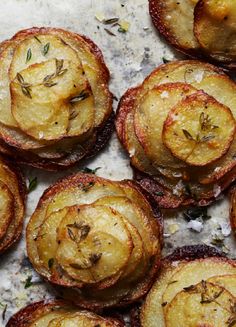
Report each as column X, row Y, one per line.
column 109, row 32
column 71, row 234
column 25, row 87
column 28, row 282
column 33, row 182
column 29, row 55
column 4, row 312
column 48, row 79
column 187, row 135
column 87, row 170
column 37, row 39
column 110, row 21
column 46, row 48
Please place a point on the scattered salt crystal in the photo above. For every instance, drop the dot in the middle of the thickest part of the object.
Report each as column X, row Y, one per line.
column 225, row 228
column 41, row 135
column 132, row 152
column 195, row 225
column 199, row 76
column 216, row 190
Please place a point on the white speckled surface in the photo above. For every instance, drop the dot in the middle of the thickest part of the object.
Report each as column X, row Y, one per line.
column 130, row 57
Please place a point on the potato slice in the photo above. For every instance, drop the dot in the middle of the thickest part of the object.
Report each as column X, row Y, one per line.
column 78, row 320
column 226, row 281
column 199, row 130
column 12, row 177
column 38, row 49
column 94, row 243
column 214, row 28
column 174, row 20
column 5, row 96
column 46, row 238
column 203, row 270
column 150, row 116
column 204, row 304
column 6, row 212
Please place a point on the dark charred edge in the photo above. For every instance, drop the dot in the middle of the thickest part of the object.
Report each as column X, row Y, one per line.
column 192, row 252
column 200, row 54
column 23, row 194
column 124, row 107
column 154, row 206
column 164, row 197
column 103, row 136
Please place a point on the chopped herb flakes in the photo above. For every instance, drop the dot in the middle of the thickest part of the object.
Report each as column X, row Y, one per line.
column 28, row 282
column 33, row 182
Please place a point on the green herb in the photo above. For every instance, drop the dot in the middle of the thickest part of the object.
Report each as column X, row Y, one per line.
column 29, row 55
column 71, row 234
column 33, row 182
column 28, row 282
column 87, row 170
column 88, row 263
column 188, row 135
column 48, row 80
column 158, row 193
column 87, row 186
column 205, row 122
column 37, row 39
column 110, row 21
column 25, row 87
column 122, row 30
column 95, row 257
column 165, row 61
column 73, row 115
column 82, row 231
column 109, row 32
column 50, row 263
column 82, row 96
column 46, row 48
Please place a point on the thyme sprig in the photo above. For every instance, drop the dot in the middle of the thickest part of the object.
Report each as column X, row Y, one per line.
column 25, row 87
column 48, row 80
column 28, row 55
column 205, row 125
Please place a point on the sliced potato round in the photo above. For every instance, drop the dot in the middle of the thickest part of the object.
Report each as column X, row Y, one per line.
column 214, row 28
column 38, row 49
column 13, row 179
column 174, row 20
column 226, row 281
column 203, row 270
column 150, row 116
column 94, row 243
column 199, row 130
column 204, row 304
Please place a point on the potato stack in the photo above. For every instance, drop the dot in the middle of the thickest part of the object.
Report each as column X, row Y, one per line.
column 204, row 28
column 196, row 286
column 179, row 130
column 97, row 238
column 54, row 100
column 12, row 200
column 59, row 314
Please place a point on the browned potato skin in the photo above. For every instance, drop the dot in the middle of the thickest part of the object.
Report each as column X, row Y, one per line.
column 10, row 239
column 156, row 11
column 23, row 318
column 143, row 285
column 102, row 132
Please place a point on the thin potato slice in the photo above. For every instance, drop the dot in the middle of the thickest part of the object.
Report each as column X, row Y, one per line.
column 226, row 281
column 199, row 130
column 38, row 49
column 6, row 205
column 204, row 304
column 203, row 270
column 150, row 116
column 46, row 238
column 94, row 243
column 232, row 211
column 214, row 28
column 174, row 20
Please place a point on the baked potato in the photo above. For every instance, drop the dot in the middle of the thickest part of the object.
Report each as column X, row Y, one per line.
column 55, row 106
column 195, row 286
column 12, row 199
column 99, row 240
column 57, row 313
column 178, row 127
column 198, row 28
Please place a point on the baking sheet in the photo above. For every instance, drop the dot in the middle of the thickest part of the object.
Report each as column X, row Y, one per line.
column 130, row 57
